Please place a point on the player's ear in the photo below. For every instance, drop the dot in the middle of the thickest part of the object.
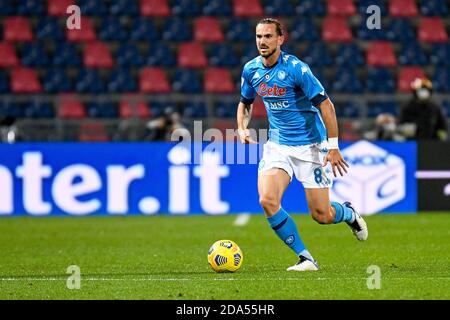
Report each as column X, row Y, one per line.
column 280, row 40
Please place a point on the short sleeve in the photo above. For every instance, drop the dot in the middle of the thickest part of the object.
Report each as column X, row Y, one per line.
column 247, row 91
column 311, row 87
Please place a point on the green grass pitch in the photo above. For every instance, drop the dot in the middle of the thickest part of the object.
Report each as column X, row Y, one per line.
column 164, row 257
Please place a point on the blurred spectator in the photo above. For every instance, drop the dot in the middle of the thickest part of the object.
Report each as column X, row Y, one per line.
column 8, row 130
column 385, row 129
column 421, row 118
column 168, row 124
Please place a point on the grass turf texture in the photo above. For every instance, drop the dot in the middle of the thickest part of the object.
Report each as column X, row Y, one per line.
column 164, row 257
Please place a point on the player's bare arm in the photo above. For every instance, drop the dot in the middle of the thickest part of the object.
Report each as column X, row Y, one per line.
column 244, row 114
column 334, row 155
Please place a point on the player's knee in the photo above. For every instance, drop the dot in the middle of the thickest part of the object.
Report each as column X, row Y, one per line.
column 322, row 216
column 269, row 204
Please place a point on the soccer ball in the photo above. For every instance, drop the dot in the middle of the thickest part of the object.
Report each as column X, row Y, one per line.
column 225, row 256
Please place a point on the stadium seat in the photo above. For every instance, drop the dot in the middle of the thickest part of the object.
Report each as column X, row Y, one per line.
column 304, row 30
column 320, row 75
column 349, row 55
column 160, row 55
column 133, row 106
column 36, row 109
column 12, row 109
column 310, row 8
column 279, row 8
column 25, row 80
column 240, row 29
column 8, row 7
column 66, row 55
column 223, row 55
column 259, row 110
column 432, row 30
column 49, row 29
column 318, row 55
column 406, row 76
column 348, row 109
column 195, row 110
column 380, row 80
column 17, row 29
column 365, row 33
column 154, row 8
column 224, row 109
column 216, row 8
column 93, row 132
column 8, row 56
column 93, row 8
column 186, row 81
column 335, row 29
column 34, row 55
column 121, row 80
column 441, row 80
column 381, row 54
column 58, row 8
column 364, row 4
column 218, row 80
column 344, row 8
column 89, row 81
column 153, row 80
column 176, row 29
column 97, row 55
column 4, row 83
column 30, row 8
column 248, row 8
column 112, row 30
column 106, row 110
column 249, row 52
column 400, row 29
column 70, row 107
column 56, row 80
column 185, row 8
column 191, row 55
column 128, row 55
column 446, row 108
column 123, row 7
column 403, row 8
column 412, row 54
column 375, row 108
column 433, row 8
column 143, row 29
column 440, row 54
column 207, row 29
column 347, row 81
column 85, row 33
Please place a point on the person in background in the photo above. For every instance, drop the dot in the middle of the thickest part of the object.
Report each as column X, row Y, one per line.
column 385, row 129
column 421, row 118
column 8, row 130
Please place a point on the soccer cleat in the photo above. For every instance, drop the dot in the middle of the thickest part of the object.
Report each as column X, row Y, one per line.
column 304, row 265
column 359, row 226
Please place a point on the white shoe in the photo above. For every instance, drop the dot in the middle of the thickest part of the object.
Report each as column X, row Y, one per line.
column 359, row 226
column 304, row 265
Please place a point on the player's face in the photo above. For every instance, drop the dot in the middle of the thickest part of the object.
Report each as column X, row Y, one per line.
column 267, row 39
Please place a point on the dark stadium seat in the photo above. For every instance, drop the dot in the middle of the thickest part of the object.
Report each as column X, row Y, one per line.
column 223, row 55
column 240, row 29
column 434, row 8
column 318, row 55
column 381, row 53
column 65, row 55
column 93, row 7
column 279, row 8
column 89, row 81
column 49, row 29
column 344, row 8
column 25, row 80
column 176, row 29
column 143, row 29
column 153, row 80
column 348, row 109
column 403, row 8
column 8, row 7
column 121, row 80
column 249, row 52
column 441, row 80
column 133, row 106
column 446, row 108
column 34, row 55
column 310, row 8
column 336, row 29
column 400, row 29
column 320, row 75
column 12, row 109
column 186, row 81
column 58, row 8
column 406, row 76
column 412, row 54
column 364, row 4
column 93, row 132
column 365, row 33
column 349, row 55
column 160, row 54
column 102, row 110
column 97, row 55
column 17, row 29
column 185, row 8
column 8, row 56
column 347, row 81
column 191, row 55
column 124, row 7
column 216, row 8
column 375, row 108
column 154, row 8
column 440, row 54
column 128, row 55
column 85, row 33
column 30, row 8
column 304, row 30
column 224, row 109
column 248, row 8
column 56, row 80
column 380, row 80
column 195, row 110
column 70, row 107
column 112, row 30
column 36, row 109
column 432, row 29
column 4, row 83
column 218, row 80
column 207, row 29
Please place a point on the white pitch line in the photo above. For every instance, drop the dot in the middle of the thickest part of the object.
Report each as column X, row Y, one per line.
column 242, row 219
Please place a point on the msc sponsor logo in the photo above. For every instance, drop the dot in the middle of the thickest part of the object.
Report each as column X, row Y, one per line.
column 277, row 104
column 264, row 90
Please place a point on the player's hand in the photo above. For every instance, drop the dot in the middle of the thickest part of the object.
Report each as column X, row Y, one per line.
column 337, row 161
column 244, row 136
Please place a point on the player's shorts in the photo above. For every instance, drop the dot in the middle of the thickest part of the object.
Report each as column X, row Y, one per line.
column 305, row 162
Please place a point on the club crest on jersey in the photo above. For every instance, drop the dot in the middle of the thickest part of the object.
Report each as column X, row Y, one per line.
column 281, row 75
column 265, row 90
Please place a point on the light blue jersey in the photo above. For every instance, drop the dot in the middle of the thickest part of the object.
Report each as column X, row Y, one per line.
column 291, row 94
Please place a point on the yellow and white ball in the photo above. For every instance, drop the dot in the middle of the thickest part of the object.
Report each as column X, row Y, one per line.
column 225, row 256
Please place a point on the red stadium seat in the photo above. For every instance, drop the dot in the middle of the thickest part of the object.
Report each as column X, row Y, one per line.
column 132, row 106
column 406, row 76
column 154, row 8
column 97, row 55
column 153, row 80
column 403, row 8
column 25, row 80
column 86, row 33
column 381, row 54
column 259, row 110
column 17, row 29
column 218, row 80
column 70, row 107
column 344, row 8
column 93, row 132
column 58, row 8
column 192, row 55
column 432, row 29
column 248, row 8
column 335, row 29
column 208, row 29
column 8, row 57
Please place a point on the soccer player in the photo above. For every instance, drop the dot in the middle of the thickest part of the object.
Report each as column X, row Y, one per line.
column 303, row 140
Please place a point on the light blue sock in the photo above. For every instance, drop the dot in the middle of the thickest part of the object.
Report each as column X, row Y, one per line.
column 285, row 228
column 343, row 213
